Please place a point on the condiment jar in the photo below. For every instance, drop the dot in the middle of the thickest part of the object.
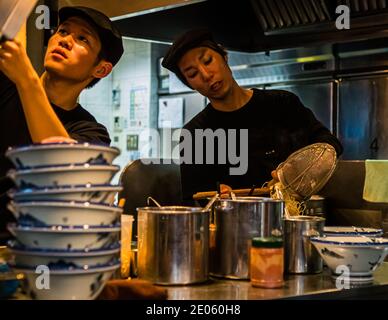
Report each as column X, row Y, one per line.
column 267, row 262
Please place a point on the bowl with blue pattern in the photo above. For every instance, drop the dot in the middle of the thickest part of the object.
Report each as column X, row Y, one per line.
column 68, row 175
column 66, row 283
column 66, row 238
column 354, row 256
column 100, row 194
column 49, row 154
column 346, row 231
column 65, row 213
column 84, row 259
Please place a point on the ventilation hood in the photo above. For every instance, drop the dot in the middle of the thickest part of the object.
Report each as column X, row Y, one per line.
column 260, row 25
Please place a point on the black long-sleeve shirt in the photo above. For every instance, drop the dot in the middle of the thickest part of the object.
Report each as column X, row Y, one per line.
column 79, row 123
column 277, row 123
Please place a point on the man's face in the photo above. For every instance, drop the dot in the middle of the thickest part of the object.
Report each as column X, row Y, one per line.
column 72, row 52
column 207, row 72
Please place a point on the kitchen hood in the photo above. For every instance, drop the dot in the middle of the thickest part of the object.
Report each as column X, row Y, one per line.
column 260, row 25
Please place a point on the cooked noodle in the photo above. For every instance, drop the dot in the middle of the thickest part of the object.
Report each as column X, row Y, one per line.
column 293, row 207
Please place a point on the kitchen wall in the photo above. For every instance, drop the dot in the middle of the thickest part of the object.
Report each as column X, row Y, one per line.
column 122, row 102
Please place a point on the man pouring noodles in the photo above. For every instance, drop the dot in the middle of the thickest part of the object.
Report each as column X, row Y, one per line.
column 276, row 122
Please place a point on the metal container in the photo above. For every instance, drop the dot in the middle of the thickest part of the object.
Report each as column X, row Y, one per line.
column 300, row 254
column 173, row 245
column 316, row 206
column 235, row 223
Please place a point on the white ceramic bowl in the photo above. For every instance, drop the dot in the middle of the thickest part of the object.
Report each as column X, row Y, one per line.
column 361, row 255
column 60, row 238
column 102, row 194
column 38, row 155
column 31, row 258
column 352, row 231
column 60, row 213
column 67, row 284
column 71, row 175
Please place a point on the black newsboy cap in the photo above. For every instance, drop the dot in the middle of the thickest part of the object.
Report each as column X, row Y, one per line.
column 191, row 39
column 110, row 36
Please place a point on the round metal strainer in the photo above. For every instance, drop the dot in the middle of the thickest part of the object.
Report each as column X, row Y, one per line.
column 307, row 170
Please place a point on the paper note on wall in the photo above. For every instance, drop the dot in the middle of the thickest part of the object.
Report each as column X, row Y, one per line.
column 170, row 113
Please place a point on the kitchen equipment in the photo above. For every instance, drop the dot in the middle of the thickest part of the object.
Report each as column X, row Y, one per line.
column 234, row 224
column 315, row 206
column 307, row 170
column 173, row 244
column 50, row 154
column 238, row 192
column 300, row 254
column 355, row 257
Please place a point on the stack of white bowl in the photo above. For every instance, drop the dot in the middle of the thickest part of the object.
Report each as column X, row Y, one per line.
column 66, row 223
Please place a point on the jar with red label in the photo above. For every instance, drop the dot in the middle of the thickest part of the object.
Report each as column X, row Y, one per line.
column 267, row 262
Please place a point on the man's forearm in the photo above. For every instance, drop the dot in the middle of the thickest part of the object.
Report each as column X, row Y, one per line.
column 41, row 119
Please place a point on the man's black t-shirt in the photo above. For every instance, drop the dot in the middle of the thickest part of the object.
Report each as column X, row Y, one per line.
column 79, row 123
column 278, row 124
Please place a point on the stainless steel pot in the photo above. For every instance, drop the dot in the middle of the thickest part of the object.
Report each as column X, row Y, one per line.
column 235, row 223
column 300, row 254
column 316, row 206
column 173, row 244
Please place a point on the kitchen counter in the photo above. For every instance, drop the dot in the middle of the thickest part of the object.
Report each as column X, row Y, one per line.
column 315, row 286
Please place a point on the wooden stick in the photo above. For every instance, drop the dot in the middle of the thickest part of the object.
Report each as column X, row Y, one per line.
column 237, row 192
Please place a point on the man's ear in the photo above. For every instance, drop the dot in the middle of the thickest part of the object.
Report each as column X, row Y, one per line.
column 103, row 69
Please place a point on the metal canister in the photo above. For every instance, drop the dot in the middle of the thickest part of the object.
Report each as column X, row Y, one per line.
column 173, row 245
column 235, row 223
column 300, row 254
column 316, row 206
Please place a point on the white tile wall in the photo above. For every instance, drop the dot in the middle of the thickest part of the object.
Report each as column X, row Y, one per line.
column 132, row 72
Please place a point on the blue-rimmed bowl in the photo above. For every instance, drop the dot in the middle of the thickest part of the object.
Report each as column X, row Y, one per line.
column 57, row 176
column 101, row 194
column 61, row 153
column 339, row 231
column 66, row 283
column 359, row 256
column 54, row 213
column 54, row 259
column 65, row 238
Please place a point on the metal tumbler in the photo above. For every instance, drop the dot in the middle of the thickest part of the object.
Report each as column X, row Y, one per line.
column 300, row 254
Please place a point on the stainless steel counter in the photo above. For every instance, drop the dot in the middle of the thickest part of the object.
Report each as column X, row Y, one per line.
column 317, row 286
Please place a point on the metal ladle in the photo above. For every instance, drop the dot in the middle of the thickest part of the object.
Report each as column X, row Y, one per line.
column 210, row 203
column 154, row 201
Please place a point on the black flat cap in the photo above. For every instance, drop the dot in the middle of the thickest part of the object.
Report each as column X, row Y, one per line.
column 110, row 36
column 191, row 39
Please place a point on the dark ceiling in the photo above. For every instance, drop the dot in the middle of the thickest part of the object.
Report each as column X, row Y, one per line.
column 261, row 25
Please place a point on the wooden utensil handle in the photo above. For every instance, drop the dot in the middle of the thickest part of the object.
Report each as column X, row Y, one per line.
column 237, row 192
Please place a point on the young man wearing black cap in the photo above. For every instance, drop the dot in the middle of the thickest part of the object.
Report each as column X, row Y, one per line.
column 84, row 48
column 277, row 122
